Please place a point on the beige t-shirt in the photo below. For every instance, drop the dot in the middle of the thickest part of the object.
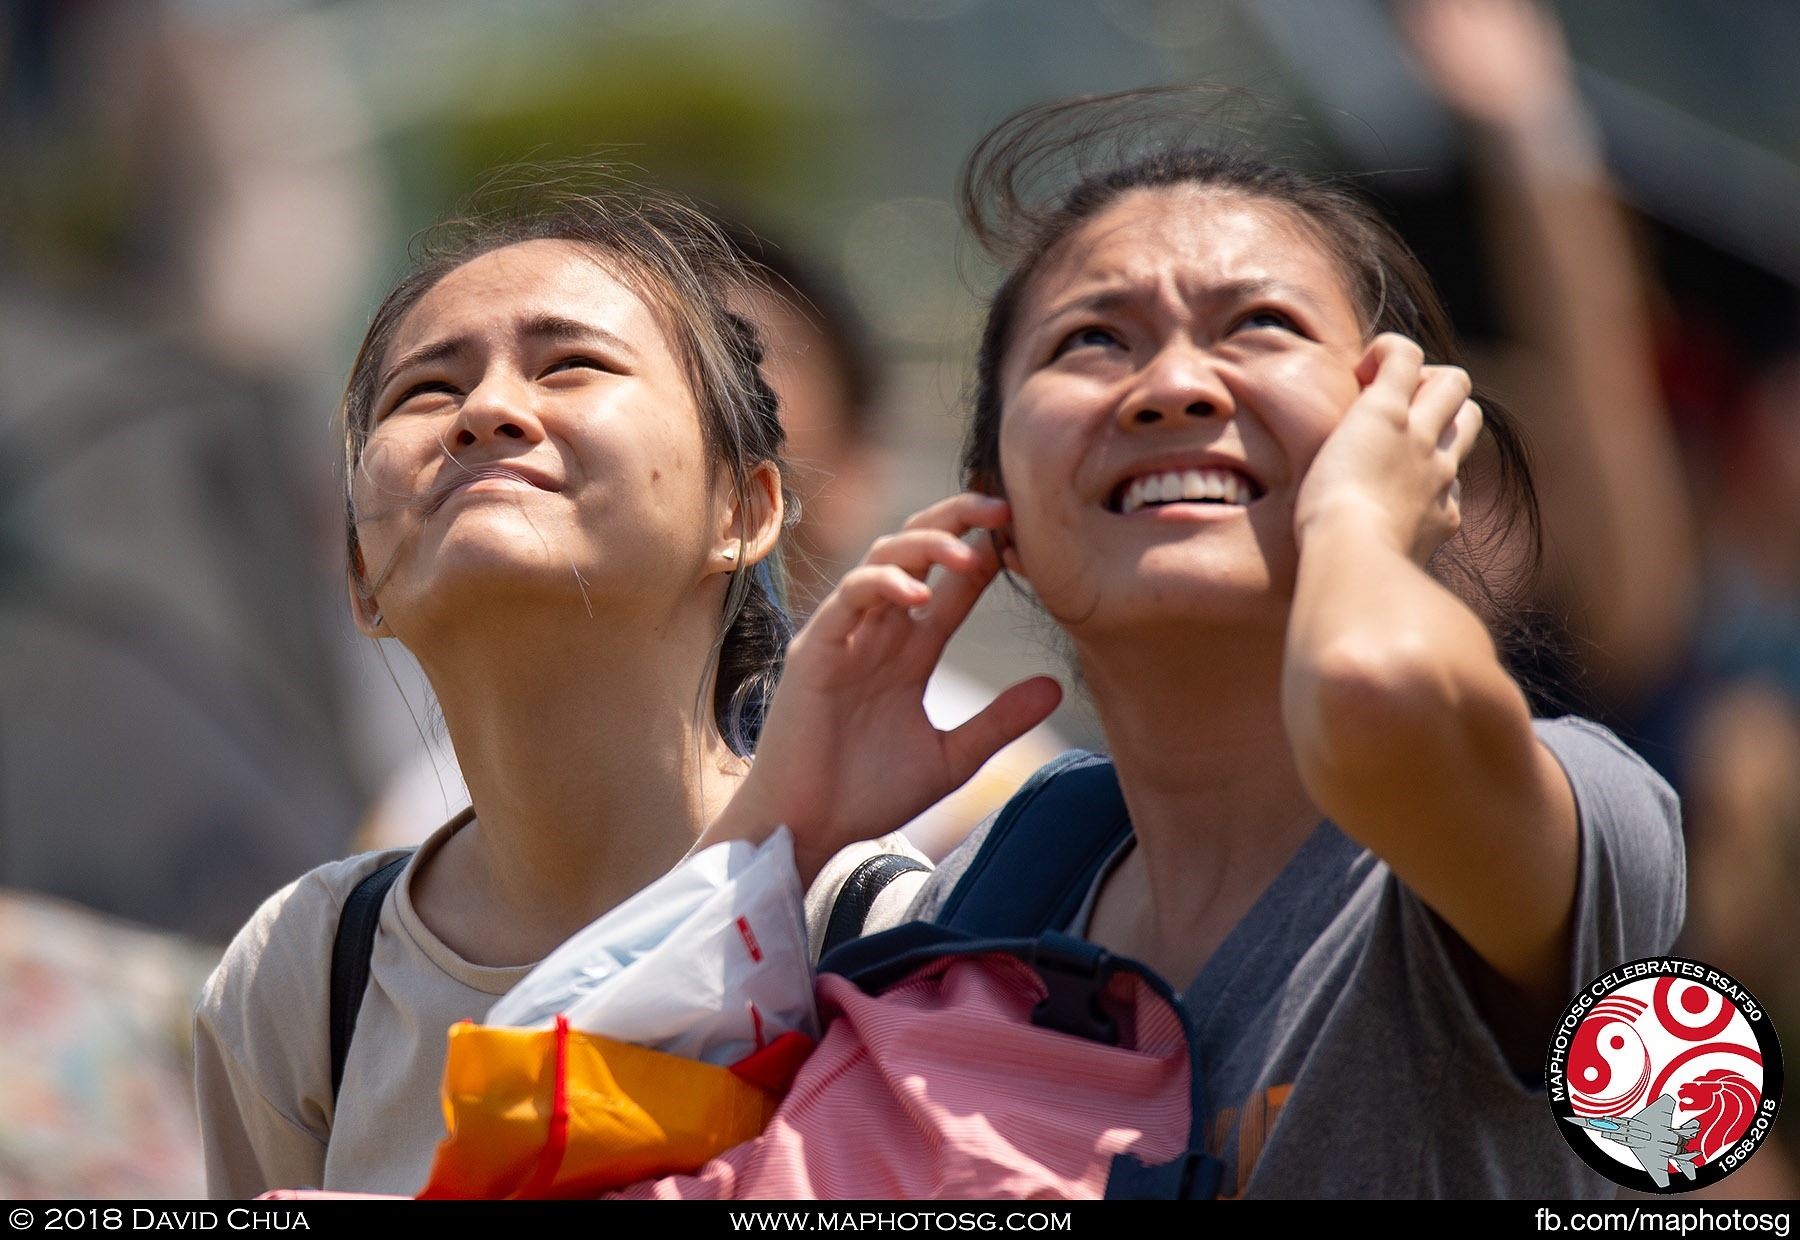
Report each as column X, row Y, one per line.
column 262, row 1056
column 262, row 1047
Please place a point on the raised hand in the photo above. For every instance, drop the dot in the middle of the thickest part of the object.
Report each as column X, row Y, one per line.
column 1391, row 464
column 847, row 752
column 1501, row 63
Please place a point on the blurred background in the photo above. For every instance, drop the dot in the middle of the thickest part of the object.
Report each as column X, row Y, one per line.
column 202, row 200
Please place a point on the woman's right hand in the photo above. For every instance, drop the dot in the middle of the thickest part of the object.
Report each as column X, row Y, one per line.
column 847, row 752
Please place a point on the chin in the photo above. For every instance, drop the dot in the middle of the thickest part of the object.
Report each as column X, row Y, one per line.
column 1151, row 605
column 483, row 576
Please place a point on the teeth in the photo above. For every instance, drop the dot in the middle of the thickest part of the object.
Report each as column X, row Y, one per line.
column 1201, row 485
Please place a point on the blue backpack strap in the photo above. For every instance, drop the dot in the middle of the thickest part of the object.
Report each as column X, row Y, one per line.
column 1043, row 852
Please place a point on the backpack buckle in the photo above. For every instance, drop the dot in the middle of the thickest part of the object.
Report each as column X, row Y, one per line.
column 1074, row 973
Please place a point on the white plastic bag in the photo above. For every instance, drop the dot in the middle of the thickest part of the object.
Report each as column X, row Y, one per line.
column 709, row 962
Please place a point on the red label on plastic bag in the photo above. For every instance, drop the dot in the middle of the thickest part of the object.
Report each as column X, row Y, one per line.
column 743, row 925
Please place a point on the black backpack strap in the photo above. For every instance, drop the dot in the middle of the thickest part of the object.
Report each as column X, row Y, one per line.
column 857, row 896
column 1074, row 971
column 350, row 952
column 1043, row 852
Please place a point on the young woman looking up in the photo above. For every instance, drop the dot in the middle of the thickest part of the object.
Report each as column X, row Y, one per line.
column 1217, row 434
column 563, row 482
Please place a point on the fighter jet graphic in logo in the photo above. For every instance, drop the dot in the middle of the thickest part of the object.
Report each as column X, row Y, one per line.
column 1650, row 1137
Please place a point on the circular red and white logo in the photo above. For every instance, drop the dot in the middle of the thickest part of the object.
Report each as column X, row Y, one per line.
column 1664, row 1074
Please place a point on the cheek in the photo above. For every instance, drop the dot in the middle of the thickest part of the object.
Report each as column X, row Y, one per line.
column 379, row 484
column 1040, row 460
column 1311, row 421
column 1032, row 460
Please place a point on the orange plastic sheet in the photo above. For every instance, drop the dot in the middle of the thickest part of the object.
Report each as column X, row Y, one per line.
column 561, row 1113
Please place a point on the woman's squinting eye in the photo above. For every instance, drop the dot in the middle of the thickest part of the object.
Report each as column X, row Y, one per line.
column 577, row 362
column 1090, row 336
column 424, row 387
column 1267, row 318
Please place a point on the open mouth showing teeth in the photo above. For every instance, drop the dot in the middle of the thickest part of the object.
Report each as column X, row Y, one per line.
column 1184, row 486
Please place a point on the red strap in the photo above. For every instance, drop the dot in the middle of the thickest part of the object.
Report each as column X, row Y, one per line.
column 556, row 1138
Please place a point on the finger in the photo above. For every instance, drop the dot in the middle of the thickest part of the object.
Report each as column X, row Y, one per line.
column 1459, row 437
column 955, row 593
column 1442, row 392
column 961, row 513
column 1004, row 720
column 864, row 589
column 1392, row 365
column 918, row 551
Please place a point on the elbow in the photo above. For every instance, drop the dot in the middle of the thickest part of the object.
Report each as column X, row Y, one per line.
column 1367, row 710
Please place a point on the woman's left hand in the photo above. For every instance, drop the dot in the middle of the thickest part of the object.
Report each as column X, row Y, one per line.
column 1391, row 464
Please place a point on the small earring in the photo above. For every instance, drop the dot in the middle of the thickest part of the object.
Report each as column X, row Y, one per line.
column 376, row 620
column 729, row 553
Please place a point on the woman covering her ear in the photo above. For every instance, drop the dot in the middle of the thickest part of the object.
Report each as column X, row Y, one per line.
column 564, row 491
column 1219, row 433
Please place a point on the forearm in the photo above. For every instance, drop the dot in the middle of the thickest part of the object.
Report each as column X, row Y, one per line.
column 1412, row 738
column 1382, row 659
column 749, row 816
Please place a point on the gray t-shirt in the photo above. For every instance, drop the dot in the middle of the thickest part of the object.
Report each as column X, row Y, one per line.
column 1343, row 1054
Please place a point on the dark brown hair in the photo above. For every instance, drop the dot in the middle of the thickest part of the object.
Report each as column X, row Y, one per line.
column 1044, row 172
column 686, row 271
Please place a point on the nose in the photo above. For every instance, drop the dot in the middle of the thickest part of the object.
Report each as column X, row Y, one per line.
column 1180, row 381
column 499, row 407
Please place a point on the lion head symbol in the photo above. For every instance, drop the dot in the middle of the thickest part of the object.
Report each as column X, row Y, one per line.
column 1726, row 1103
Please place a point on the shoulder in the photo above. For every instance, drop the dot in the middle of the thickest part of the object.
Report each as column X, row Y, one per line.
column 1629, row 816
column 267, row 999
column 292, row 930
column 1632, row 889
column 1037, row 854
column 929, row 899
column 262, row 1068
column 1598, row 762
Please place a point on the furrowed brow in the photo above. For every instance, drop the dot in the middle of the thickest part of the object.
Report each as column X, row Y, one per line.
column 1101, row 301
column 425, row 355
column 562, row 329
column 555, row 328
column 1250, row 290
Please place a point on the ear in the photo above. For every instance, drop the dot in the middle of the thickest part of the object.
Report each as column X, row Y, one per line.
column 1009, row 554
column 364, row 610
column 751, row 524
column 988, row 484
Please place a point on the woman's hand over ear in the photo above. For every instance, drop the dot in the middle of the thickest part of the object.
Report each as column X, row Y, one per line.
column 1390, row 466
column 847, row 752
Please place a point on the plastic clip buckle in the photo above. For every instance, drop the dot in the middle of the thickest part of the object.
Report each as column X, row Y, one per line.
column 1074, row 973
